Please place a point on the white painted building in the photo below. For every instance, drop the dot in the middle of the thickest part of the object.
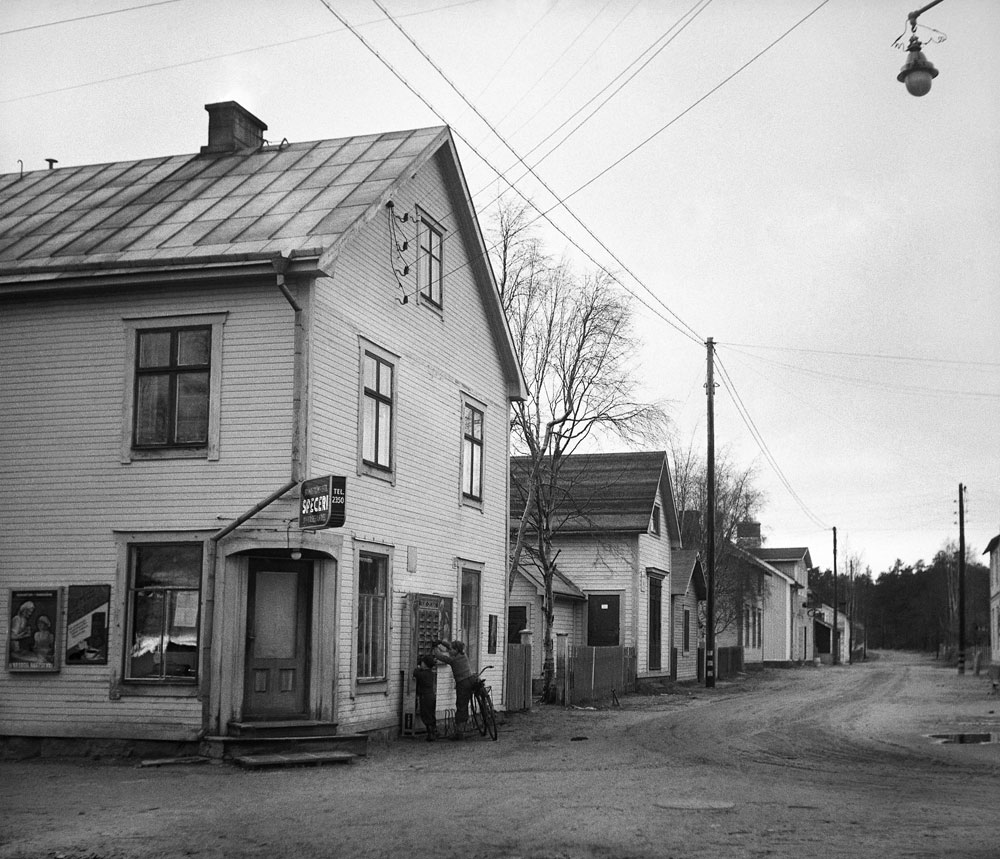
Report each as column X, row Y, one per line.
column 993, row 550
column 616, row 541
column 183, row 340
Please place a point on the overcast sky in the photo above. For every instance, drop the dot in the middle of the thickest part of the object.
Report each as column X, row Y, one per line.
column 764, row 180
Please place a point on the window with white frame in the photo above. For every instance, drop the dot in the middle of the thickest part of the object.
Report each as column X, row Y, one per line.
column 164, row 594
column 472, row 452
column 172, row 379
column 372, row 617
column 654, row 520
column 378, row 393
column 430, row 274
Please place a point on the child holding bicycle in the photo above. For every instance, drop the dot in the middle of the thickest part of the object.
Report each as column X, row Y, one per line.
column 453, row 654
column 426, row 679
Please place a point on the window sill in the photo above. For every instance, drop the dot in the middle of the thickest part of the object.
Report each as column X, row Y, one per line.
column 139, row 689
column 170, row 453
column 472, row 503
column 371, row 687
column 386, row 475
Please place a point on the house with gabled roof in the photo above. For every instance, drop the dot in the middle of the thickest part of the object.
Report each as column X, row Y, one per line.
column 254, row 444
column 688, row 592
column 616, row 531
column 793, row 563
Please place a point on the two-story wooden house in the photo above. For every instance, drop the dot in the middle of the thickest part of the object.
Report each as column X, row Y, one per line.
column 183, row 341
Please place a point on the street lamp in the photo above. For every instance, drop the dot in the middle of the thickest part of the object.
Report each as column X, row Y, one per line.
column 917, row 72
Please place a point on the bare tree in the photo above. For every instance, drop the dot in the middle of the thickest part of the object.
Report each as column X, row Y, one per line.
column 574, row 341
column 737, row 499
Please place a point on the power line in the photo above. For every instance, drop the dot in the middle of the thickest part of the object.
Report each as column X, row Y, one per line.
column 171, row 66
column 759, row 439
column 692, row 106
column 689, row 333
column 879, row 355
column 86, row 17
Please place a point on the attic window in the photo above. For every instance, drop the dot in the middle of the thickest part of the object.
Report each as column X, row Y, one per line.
column 654, row 520
column 430, row 276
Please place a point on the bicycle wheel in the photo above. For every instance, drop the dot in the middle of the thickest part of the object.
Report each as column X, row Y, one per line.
column 475, row 715
column 489, row 715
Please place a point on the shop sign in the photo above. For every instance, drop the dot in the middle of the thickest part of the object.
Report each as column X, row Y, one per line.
column 323, row 502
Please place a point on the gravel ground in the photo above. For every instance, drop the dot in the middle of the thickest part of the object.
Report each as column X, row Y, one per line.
column 797, row 763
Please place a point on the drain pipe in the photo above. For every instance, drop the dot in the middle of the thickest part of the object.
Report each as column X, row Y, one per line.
column 280, row 264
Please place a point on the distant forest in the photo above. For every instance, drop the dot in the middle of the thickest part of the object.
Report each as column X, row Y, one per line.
column 913, row 607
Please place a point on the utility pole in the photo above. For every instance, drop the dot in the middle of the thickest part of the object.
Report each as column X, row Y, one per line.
column 961, row 579
column 834, row 644
column 710, row 523
column 850, row 613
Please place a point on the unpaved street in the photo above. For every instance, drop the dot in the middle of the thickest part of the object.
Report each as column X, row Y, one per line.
column 806, row 762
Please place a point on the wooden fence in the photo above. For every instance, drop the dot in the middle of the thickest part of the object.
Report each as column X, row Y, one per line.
column 517, row 683
column 590, row 674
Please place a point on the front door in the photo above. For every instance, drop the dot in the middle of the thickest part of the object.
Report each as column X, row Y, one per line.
column 655, row 617
column 278, row 614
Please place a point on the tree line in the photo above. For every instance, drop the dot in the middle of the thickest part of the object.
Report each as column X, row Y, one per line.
column 913, row 606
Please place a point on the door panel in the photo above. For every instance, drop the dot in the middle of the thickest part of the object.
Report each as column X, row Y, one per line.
column 277, row 649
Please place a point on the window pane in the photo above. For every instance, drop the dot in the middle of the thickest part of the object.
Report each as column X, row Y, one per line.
column 146, row 650
column 475, row 458
column 385, row 379
column 194, row 346
column 467, row 467
column 470, row 615
column 167, row 565
column 152, row 412
column 370, row 373
column 384, row 434
column 192, row 408
column 368, row 430
column 371, row 574
column 154, row 349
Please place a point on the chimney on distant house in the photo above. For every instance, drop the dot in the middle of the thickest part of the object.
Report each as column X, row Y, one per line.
column 231, row 127
column 748, row 535
column 691, row 532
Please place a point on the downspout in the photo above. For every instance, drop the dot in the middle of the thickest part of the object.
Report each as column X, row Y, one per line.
column 280, row 264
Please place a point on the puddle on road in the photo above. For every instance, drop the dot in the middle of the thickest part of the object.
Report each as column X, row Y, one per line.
column 966, row 739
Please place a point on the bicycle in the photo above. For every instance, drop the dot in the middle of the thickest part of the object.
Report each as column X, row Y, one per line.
column 481, row 709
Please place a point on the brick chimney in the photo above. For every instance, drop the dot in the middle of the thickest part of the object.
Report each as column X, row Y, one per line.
column 231, row 127
column 748, row 535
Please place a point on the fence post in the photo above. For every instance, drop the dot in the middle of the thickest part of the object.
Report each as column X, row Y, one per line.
column 562, row 668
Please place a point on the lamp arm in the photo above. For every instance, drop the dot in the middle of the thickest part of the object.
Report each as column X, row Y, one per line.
column 912, row 17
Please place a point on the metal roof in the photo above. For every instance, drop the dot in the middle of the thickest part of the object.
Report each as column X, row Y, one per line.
column 296, row 198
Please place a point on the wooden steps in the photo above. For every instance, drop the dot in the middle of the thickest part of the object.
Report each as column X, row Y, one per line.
column 284, row 743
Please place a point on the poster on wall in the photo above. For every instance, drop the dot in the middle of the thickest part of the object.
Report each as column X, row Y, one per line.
column 87, row 624
column 34, row 624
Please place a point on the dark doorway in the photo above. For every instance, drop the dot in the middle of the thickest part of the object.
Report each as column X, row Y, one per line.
column 603, row 620
column 655, row 616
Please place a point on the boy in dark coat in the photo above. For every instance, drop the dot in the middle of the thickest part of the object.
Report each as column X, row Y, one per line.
column 426, row 678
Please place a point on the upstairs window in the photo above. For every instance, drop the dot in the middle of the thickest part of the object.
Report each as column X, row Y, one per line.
column 377, row 410
column 173, row 379
column 173, row 369
column 654, row 520
column 472, row 453
column 429, row 265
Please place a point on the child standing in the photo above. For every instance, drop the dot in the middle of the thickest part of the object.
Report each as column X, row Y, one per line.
column 426, row 678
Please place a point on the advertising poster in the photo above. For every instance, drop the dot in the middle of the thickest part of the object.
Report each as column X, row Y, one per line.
column 87, row 624
column 34, row 624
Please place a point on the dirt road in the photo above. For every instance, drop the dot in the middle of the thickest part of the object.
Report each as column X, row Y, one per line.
column 789, row 763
